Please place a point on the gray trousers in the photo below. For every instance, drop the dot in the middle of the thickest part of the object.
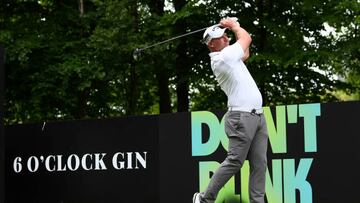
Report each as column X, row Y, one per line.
column 248, row 138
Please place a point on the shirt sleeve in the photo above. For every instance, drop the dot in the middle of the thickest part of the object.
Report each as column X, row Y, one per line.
column 233, row 52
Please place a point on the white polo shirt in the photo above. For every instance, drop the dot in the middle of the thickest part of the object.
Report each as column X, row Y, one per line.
column 235, row 79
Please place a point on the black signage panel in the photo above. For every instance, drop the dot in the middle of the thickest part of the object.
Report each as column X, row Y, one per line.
column 312, row 157
column 89, row 161
column 312, row 154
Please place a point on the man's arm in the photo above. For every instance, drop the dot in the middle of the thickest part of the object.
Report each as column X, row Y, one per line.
column 246, row 54
column 242, row 36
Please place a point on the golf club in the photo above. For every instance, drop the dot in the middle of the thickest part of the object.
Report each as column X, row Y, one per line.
column 138, row 51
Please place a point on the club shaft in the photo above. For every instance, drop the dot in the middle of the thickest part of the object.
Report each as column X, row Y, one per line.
column 173, row 38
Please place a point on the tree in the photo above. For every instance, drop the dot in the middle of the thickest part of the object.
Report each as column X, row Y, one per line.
column 73, row 59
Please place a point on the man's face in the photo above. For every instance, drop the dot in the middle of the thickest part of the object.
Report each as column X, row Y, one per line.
column 218, row 44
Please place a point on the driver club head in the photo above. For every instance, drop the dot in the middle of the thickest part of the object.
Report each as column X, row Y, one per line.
column 137, row 53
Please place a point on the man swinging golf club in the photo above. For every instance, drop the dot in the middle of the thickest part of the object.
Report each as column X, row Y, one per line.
column 245, row 124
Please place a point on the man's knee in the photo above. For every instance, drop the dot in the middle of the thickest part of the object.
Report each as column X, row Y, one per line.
column 234, row 160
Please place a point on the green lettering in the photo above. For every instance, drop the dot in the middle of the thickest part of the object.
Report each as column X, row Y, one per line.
column 277, row 135
column 297, row 181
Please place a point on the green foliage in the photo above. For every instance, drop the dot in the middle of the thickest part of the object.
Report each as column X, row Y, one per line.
column 65, row 64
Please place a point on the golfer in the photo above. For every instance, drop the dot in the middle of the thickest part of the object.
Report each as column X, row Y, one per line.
column 245, row 124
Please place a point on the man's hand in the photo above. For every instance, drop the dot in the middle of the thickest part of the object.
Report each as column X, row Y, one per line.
column 229, row 23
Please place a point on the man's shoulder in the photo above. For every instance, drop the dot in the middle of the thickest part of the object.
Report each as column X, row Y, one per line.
column 216, row 56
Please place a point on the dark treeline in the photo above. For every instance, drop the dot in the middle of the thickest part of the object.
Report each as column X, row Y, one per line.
column 73, row 59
